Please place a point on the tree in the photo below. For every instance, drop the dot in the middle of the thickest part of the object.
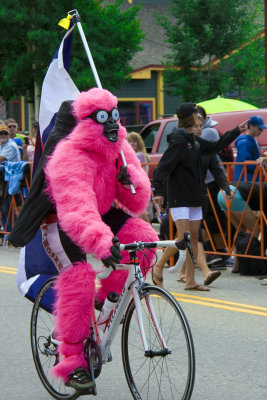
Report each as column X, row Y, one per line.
column 30, row 37
column 200, row 31
column 246, row 68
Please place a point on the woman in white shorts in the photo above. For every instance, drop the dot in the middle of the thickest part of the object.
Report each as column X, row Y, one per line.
column 181, row 165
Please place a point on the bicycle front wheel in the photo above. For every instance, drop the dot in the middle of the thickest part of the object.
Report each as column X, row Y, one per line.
column 44, row 350
column 158, row 374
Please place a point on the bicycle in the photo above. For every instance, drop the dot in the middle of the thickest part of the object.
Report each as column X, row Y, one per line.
column 157, row 345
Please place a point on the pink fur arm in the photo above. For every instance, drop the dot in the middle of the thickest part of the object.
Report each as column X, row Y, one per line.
column 70, row 185
column 135, row 204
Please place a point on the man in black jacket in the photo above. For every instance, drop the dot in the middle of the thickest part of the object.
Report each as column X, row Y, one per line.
column 181, row 162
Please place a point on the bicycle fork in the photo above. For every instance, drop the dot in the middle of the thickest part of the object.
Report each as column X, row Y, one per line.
column 149, row 352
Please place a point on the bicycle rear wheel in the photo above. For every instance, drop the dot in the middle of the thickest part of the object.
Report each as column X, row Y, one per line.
column 44, row 351
column 158, row 375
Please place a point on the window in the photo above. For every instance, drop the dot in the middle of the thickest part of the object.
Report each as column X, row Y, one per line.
column 135, row 112
column 144, row 112
column 149, row 136
column 163, row 141
column 127, row 111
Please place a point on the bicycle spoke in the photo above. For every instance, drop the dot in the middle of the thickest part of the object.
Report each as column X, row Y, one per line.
column 164, row 372
column 42, row 325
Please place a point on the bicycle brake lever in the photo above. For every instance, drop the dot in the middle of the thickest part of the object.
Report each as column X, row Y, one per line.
column 190, row 251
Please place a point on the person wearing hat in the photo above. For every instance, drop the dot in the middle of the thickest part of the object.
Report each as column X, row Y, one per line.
column 9, row 151
column 181, row 165
column 248, row 148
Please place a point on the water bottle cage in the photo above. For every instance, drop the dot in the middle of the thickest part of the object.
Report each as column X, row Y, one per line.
column 105, row 322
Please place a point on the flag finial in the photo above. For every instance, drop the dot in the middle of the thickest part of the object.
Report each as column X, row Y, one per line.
column 65, row 22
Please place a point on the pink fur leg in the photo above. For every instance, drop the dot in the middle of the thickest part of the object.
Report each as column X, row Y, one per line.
column 134, row 229
column 75, row 289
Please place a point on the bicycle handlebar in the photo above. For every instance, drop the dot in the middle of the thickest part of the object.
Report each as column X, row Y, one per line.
column 183, row 244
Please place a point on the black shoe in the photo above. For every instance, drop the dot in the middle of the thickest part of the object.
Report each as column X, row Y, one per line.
column 80, row 380
column 213, row 259
column 220, row 266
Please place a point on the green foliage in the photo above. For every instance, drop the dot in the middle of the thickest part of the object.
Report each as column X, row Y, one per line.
column 247, row 73
column 199, row 32
column 30, row 37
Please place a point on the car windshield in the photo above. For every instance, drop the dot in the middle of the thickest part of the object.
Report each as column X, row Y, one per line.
column 149, row 136
column 163, row 141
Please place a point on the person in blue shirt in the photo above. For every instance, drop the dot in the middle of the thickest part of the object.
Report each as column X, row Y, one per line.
column 9, row 151
column 248, row 147
column 14, row 134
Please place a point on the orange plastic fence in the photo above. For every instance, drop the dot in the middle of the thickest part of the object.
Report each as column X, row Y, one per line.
column 226, row 236
column 261, row 221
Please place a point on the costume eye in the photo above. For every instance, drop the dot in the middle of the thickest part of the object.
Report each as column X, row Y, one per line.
column 115, row 114
column 102, row 116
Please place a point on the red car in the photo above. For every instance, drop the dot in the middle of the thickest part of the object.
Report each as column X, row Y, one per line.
column 155, row 133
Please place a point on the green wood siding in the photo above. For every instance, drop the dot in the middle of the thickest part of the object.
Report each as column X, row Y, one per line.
column 139, row 88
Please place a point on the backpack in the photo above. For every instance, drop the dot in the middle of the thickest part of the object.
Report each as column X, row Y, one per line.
column 250, row 266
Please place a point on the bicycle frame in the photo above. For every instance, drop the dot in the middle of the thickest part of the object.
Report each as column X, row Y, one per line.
column 132, row 287
column 139, row 306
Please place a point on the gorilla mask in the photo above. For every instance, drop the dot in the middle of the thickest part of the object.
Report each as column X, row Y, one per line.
column 109, row 121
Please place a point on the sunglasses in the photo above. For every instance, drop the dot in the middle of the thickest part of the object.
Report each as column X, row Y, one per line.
column 3, row 133
column 12, row 126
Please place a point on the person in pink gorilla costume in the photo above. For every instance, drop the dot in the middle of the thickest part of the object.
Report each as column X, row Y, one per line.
column 84, row 177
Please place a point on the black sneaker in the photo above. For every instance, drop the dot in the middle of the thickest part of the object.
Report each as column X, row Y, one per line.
column 213, row 259
column 220, row 266
column 80, row 380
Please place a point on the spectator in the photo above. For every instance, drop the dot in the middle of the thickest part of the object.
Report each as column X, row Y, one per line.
column 8, row 149
column 210, row 133
column 215, row 179
column 226, row 155
column 29, row 142
column 248, row 147
column 181, row 162
column 13, row 133
column 237, row 207
column 138, row 145
column 207, row 161
column 8, row 152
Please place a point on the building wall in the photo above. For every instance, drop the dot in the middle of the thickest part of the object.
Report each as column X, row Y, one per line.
column 170, row 104
column 139, row 87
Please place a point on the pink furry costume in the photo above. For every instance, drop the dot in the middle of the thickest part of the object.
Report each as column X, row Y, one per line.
column 82, row 182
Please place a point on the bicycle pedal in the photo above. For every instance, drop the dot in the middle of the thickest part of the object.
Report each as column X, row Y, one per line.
column 91, row 391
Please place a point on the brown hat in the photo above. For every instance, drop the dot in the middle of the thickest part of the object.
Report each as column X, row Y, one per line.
column 4, row 128
column 186, row 109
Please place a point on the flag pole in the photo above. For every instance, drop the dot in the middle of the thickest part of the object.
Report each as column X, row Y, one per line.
column 77, row 20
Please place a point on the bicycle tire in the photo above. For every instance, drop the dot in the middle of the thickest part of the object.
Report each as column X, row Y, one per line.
column 44, row 352
column 162, row 376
